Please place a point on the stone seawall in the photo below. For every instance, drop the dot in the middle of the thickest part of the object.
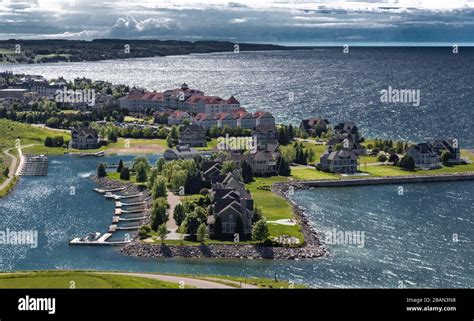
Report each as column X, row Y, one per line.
column 224, row 251
column 383, row 180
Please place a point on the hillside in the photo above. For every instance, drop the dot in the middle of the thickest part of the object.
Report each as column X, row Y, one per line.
column 42, row 51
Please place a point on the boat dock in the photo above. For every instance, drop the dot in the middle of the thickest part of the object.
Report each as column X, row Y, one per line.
column 120, row 204
column 121, row 197
column 135, row 220
column 119, row 211
column 104, row 191
column 34, row 165
column 98, row 154
column 101, row 241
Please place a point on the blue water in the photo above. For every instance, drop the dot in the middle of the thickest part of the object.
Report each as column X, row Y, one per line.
column 407, row 237
column 323, row 82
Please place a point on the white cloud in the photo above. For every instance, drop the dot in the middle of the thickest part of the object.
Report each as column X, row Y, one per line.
column 238, row 20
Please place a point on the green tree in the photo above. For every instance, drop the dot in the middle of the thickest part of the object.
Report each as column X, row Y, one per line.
column 179, row 214
column 247, row 173
column 194, row 219
column 159, row 164
column 141, row 160
column 201, row 234
column 152, row 178
column 182, row 230
column 159, row 187
column 6, row 171
column 382, row 158
column 144, row 231
column 125, row 174
column 393, row 159
column 159, row 214
column 120, row 166
column 283, row 167
column 141, row 173
column 162, row 231
column 260, row 231
column 227, row 167
column 407, row 163
column 445, row 157
column 101, row 170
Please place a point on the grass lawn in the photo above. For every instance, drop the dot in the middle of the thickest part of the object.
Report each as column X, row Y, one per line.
column 210, row 145
column 305, row 173
column 82, row 280
column 10, row 131
column 116, row 176
column 135, row 142
column 386, row 170
column 273, row 206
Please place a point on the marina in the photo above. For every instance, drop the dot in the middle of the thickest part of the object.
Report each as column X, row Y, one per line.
column 134, row 210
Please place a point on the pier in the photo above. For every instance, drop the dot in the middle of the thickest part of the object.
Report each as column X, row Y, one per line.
column 101, row 241
column 33, row 165
column 120, row 204
column 116, row 197
column 104, row 191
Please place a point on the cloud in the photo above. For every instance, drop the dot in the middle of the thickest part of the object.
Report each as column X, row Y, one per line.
column 238, row 20
column 131, row 26
column 265, row 21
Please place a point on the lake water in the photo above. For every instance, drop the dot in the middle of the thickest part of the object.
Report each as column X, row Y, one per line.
column 323, row 82
column 408, row 238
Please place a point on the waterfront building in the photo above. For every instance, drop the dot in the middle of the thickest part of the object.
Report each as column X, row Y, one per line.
column 231, row 202
column 179, row 118
column 205, row 120
column 450, row 146
column 84, row 138
column 424, row 155
column 264, row 118
column 180, row 152
column 245, row 119
column 192, row 135
column 309, row 125
column 339, row 161
column 226, row 119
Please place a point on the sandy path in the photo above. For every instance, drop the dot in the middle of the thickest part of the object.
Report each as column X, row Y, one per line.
column 13, row 168
column 201, row 284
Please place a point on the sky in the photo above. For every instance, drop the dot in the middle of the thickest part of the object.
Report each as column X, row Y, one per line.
column 292, row 22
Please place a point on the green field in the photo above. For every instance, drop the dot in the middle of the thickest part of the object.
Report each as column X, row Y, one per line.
column 306, row 173
column 81, row 280
column 210, row 145
column 273, row 206
column 92, row 280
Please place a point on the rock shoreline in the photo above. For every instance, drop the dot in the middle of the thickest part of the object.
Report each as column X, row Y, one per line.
column 224, row 251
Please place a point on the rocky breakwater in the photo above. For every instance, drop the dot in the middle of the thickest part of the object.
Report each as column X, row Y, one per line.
column 236, row 251
column 310, row 234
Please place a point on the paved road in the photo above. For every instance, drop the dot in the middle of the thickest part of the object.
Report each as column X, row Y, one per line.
column 202, row 284
column 171, row 225
column 12, row 168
